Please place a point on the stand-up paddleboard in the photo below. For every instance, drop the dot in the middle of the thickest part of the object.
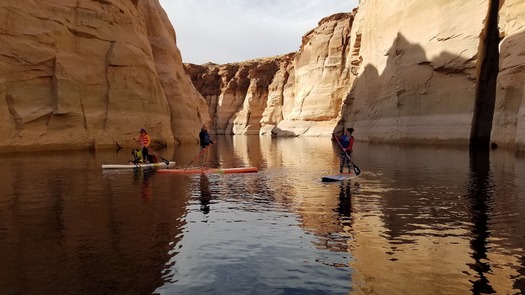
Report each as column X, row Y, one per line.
column 138, row 165
column 210, row 170
column 338, row 177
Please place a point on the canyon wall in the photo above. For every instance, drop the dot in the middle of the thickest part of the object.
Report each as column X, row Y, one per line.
column 509, row 116
column 406, row 71
column 416, row 83
column 422, row 72
column 291, row 95
column 90, row 74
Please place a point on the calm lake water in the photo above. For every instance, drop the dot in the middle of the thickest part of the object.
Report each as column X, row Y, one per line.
column 419, row 220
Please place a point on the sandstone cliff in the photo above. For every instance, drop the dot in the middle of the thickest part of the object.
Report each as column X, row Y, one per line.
column 416, row 83
column 429, row 72
column 446, row 72
column 90, row 74
column 295, row 94
column 238, row 94
column 509, row 116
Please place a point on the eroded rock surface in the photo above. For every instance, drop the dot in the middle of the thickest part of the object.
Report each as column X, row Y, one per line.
column 90, row 74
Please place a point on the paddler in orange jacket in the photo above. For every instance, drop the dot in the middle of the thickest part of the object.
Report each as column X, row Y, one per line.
column 144, row 141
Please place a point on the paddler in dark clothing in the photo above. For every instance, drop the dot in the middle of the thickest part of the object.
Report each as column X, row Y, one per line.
column 205, row 141
column 347, row 143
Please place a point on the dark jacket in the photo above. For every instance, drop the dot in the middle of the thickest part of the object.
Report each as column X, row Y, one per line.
column 204, row 138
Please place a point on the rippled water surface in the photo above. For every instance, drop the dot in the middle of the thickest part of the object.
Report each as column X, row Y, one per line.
column 419, row 220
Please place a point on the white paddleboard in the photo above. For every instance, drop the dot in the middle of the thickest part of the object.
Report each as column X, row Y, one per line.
column 338, row 177
column 140, row 165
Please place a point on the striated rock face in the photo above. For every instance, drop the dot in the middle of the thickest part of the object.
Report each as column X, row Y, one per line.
column 416, row 81
column 90, row 74
column 237, row 94
column 509, row 116
column 403, row 71
column 426, row 73
column 295, row 94
column 321, row 78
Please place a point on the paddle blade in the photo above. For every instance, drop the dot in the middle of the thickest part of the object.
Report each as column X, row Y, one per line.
column 166, row 161
column 357, row 170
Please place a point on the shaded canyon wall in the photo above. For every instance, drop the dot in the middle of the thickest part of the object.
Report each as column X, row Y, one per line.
column 426, row 76
column 90, row 74
column 417, row 80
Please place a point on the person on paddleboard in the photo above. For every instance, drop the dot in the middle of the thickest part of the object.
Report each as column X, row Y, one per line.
column 205, row 141
column 347, row 144
column 144, row 141
column 137, row 157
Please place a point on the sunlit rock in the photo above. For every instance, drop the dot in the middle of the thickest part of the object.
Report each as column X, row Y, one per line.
column 509, row 117
column 90, row 74
column 291, row 95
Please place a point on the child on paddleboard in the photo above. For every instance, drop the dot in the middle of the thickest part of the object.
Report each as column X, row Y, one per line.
column 137, row 157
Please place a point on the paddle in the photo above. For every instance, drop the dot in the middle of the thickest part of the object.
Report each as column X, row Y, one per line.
column 356, row 169
column 200, row 154
column 153, row 152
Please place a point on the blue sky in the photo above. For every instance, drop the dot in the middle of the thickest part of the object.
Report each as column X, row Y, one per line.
column 223, row 31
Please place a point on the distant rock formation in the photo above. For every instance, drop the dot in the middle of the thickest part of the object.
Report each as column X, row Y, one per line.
column 291, row 95
column 242, row 98
column 90, row 74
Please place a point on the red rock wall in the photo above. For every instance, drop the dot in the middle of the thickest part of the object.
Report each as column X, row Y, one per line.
column 90, row 74
column 401, row 71
column 295, row 94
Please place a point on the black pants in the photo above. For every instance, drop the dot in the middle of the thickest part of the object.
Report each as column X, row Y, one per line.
column 145, row 155
column 345, row 160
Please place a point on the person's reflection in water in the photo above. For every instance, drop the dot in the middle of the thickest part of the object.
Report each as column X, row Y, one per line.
column 480, row 193
column 142, row 177
column 344, row 207
column 520, row 281
column 205, row 194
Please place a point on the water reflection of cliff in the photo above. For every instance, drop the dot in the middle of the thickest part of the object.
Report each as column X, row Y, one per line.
column 66, row 231
column 449, row 224
column 294, row 183
column 480, row 189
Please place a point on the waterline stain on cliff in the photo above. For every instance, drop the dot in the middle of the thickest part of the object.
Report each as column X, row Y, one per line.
column 487, row 74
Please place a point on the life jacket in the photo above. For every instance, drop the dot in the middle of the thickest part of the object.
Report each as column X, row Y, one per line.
column 137, row 156
column 144, row 140
column 345, row 141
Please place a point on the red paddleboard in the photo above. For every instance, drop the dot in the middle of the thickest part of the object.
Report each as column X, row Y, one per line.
column 210, row 170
